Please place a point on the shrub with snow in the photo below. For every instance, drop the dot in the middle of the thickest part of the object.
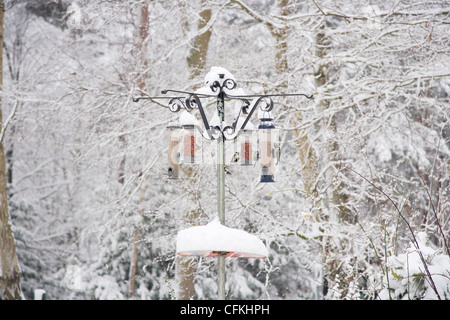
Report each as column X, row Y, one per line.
column 407, row 278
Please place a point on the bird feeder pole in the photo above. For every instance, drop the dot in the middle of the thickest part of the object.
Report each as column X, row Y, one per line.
column 221, row 191
column 220, row 84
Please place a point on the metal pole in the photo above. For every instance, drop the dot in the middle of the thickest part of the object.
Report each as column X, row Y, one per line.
column 221, row 192
column 221, row 179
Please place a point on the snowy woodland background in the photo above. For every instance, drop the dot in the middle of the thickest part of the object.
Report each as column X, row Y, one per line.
column 361, row 204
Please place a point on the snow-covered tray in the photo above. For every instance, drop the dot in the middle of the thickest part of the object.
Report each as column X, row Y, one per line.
column 214, row 239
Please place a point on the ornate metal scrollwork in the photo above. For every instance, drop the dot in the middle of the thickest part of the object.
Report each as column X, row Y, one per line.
column 228, row 84
column 232, row 132
column 215, row 132
column 267, row 104
column 215, row 86
column 192, row 102
column 219, row 88
column 245, row 106
column 175, row 104
column 189, row 103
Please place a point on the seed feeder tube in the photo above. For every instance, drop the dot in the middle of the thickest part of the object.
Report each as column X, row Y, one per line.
column 266, row 146
column 246, row 154
column 246, row 148
column 173, row 169
column 189, row 144
column 188, row 122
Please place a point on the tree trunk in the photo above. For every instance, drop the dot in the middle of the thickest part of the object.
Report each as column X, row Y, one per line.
column 186, row 267
column 143, row 35
column 185, row 270
column 197, row 57
column 9, row 264
column 338, row 211
column 281, row 46
column 308, row 158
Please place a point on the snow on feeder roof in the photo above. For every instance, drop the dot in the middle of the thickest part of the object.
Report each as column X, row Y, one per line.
column 214, row 239
column 187, row 119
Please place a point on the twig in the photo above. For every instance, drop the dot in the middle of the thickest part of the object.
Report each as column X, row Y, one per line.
column 8, row 121
column 318, row 7
column 416, row 244
column 435, row 214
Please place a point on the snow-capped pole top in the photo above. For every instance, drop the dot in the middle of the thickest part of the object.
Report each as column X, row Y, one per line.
column 218, row 74
column 218, row 77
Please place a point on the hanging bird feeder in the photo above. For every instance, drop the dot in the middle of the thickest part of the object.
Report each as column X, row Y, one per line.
column 215, row 239
column 266, row 145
